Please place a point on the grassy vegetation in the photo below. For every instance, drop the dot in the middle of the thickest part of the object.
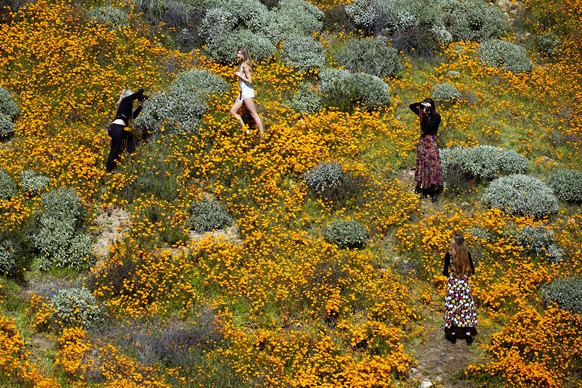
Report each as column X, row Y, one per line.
column 271, row 302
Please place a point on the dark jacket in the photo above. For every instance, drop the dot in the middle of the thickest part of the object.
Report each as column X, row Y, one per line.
column 125, row 109
column 430, row 124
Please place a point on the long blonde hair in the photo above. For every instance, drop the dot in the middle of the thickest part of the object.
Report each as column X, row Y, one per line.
column 459, row 256
column 246, row 58
column 125, row 93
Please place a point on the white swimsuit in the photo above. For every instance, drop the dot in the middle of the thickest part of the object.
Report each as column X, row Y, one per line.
column 246, row 91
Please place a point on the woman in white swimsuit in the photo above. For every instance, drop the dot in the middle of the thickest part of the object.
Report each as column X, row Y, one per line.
column 247, row 92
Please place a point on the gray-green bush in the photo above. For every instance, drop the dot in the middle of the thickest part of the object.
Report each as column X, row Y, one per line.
column 509, row 56
column 303, row 52
column 482, row 163
column 8, row 186
column 75, row 306
column 521, row 195
column 294, row 18
column 306, row 99
column 548, row 44
column 565, row 292
column 179, row 19
column 112, row 17
column 473, row 20
column 567, row 185
column 7, row 256
column 32, row 182
column 6, row 127
column 346, row 234
column 208, row 214
column 445, row 91
column 7, row 105
column 60, row 240
column 372, row 56
column 230, row 25
column 539, row 240
column 324, row 176
column 343, row 89
column 180, row 109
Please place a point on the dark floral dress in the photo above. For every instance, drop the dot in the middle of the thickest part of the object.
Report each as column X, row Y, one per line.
column 460, row 312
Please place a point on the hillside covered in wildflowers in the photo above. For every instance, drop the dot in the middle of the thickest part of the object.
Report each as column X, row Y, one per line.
column 214, row 258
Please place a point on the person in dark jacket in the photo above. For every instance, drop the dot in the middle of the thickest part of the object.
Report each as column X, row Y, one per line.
column 428, row 173
column 460, row 312
column 118, row 130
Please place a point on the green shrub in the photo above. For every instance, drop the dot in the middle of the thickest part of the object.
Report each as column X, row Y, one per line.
column 371, row 56
column 6, row 127
column 303, row 52
column 7, row 105
column 112, row 17
column 180, row 109
column 414, row 26
column 540, row 241
column 384, row 17
column 59, row 239
column 64, row 204
column 567, row 185
column 445, row 92
column 565, row 292
column 482, row 163
column 221, row 46
column 7, row 256
column 32, row 182
column 473, row 20
column 230, row 25
column 294, row 18
column 343, row 89
column 307, row 99
column 548, row 44
column 207, row 215
column 59, row 245
column 179, row 20
column 521, row 195
column 75, row 306
column 509, row 56
column 324, row 176
column 346, row 234
column 419, row 41
column 8, row 186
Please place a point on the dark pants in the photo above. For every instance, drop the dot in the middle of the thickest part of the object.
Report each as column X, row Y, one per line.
column 118, row 137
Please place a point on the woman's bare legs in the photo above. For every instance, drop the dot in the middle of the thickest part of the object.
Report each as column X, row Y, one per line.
column 250, row 104
column 235, row 108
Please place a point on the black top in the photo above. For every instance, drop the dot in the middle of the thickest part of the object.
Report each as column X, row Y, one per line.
column 430, row 124
column 124, row 110
column 448, row 264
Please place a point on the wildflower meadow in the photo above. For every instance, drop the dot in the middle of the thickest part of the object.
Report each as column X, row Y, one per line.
column 211, row 257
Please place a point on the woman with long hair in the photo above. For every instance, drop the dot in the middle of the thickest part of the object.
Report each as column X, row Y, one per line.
column 117, row 129
column 428, row 173
column 460, row 312
column 245, row 97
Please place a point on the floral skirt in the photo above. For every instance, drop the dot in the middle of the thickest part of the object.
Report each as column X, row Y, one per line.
column 428, row 174
column 460, row 309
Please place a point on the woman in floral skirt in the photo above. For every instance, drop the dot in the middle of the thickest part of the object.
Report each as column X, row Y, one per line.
column 428, row 172
column 460, row 312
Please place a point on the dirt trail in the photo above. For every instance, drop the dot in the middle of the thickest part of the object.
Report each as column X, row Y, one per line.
column 442, row 364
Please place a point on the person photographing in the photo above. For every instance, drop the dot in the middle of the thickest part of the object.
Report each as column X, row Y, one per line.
column 428, row 173
column 118, row 129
